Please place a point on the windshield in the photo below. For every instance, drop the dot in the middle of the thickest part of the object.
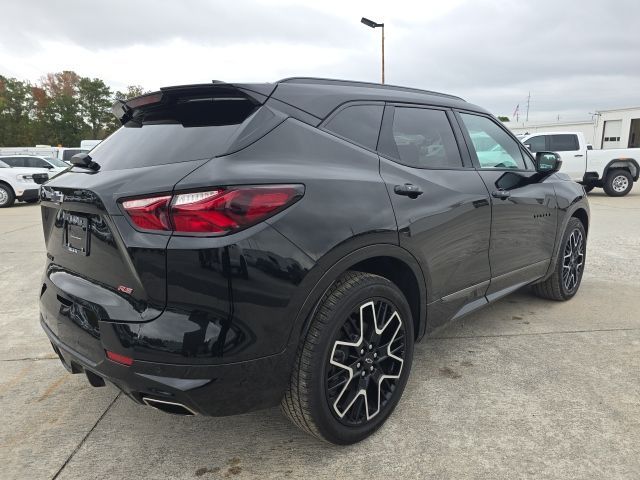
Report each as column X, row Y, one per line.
column 3, row 165
column 55, row 162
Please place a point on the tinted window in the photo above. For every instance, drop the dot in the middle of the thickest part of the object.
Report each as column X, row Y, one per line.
column 358, row 123
column 192, row 129
column 536, row 144
column 67, row 154
column 35, row 162
column 423, row 138
column 13, row 161
column 493, row 146
column 563, row 143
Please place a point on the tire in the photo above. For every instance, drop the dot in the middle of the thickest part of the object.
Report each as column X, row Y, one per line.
column 7, row 197
column 588, row 188
column 618, row 183
column 340, row 413
column 557, row 286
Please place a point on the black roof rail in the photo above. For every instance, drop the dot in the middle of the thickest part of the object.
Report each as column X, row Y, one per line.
column 355, row 83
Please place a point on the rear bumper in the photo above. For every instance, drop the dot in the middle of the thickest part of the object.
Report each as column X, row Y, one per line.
column 215, row 390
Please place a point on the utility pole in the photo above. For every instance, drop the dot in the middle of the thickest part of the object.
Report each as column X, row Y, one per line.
column 528, row 102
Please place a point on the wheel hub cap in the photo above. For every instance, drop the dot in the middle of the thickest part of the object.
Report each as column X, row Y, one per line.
column 4, row 197
column 365, row 362
column 620, row 183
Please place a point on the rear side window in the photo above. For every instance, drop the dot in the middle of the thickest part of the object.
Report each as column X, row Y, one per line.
column 189, row 129
column 563, row 143
column 536, row 144
column 16, row 161
column 423, row 138
column 358, row 123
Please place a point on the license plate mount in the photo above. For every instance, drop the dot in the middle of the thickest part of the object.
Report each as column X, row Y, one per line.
column 76, row 233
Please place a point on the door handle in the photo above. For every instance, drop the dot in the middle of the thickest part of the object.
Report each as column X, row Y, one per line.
column 501, row 194
column 579, row 155
column 408, row 190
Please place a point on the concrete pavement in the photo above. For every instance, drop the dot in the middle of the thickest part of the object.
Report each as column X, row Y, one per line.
column 523, row 389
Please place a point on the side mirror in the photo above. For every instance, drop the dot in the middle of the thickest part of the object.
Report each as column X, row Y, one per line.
column 548, row 162
column 83, row 160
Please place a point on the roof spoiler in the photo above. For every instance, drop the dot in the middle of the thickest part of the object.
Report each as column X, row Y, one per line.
column 258, row 93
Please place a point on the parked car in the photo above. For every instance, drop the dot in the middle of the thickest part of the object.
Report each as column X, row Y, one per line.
column 52, row 164
column 21, row 184
column 614, row 170
column 47, row 151
column 366, row 215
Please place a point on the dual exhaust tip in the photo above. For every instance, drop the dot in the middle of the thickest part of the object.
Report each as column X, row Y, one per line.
column 173, row 408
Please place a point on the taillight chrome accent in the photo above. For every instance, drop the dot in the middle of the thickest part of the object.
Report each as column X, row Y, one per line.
column 217, row 211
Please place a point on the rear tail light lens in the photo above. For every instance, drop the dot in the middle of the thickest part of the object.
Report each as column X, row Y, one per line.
column 217, row 211
column 149, row 213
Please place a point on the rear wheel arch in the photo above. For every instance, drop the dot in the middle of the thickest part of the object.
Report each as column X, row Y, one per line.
column 629, row 164
column 379, row 259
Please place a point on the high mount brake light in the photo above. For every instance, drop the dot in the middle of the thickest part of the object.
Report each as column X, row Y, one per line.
column 216, row 211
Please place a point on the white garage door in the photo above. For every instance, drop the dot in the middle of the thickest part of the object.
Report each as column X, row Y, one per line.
column 611, row 135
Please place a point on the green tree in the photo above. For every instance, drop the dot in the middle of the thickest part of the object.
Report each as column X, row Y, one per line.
column 94, row 98
column 131, row 92
column 16, row 109
column 63, row 110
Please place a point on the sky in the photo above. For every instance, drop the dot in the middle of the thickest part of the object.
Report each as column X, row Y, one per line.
column 572, row 56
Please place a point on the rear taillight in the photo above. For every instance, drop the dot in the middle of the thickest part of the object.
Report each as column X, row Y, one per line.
column 150, row 213
column 218, row 211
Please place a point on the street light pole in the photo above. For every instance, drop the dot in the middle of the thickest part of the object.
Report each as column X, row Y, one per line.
column 372, row 24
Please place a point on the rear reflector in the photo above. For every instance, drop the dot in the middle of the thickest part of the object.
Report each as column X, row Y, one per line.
column 217, row 211
column 121, row 359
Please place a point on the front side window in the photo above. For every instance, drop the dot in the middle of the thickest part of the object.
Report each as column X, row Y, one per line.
column 563, row 143
column 423, row 138
column 493, row 146
column 536, row 144
column 358, row 123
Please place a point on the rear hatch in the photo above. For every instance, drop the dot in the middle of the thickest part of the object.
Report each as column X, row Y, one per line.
column 99, row 266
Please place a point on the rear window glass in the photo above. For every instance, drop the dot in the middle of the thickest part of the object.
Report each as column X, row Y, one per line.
column 536, row 144
column 191, row 130
column 563, row 143
column 358, row 123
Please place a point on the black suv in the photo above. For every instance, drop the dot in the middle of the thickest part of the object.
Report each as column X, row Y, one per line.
column 239, row 246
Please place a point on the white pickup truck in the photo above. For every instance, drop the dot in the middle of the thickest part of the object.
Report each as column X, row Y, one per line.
column 613, row 170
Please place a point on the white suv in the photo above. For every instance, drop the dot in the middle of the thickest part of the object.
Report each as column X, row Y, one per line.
column 53, row 165
column 18, row 183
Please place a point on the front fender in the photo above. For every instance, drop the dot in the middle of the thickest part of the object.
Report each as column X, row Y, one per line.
column 571, row 198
